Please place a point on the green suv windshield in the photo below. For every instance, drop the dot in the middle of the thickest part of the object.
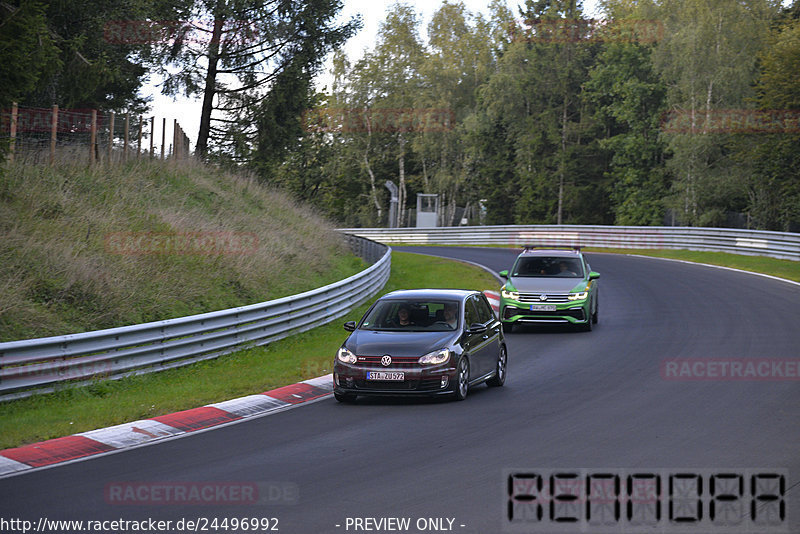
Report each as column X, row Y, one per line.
column 547, row 266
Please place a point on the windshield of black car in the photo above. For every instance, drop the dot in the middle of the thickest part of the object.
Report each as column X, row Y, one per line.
column 548, row 267
column 413, row 316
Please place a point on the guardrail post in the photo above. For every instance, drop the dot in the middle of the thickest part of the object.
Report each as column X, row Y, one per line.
column 53, row 134
column 127, row 134
column 139, row 146
column 13, row 141
column 110, row 137
column 93, row 138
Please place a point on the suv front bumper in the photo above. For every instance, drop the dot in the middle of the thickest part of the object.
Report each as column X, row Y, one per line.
column 575, row 312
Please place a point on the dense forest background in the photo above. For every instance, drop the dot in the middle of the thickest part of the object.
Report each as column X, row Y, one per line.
column 682, row 112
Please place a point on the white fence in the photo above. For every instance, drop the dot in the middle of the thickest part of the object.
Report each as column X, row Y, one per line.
column 783, row 245
column 40, row 365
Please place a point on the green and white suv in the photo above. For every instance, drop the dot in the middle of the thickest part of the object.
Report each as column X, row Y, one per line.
column 549, row 286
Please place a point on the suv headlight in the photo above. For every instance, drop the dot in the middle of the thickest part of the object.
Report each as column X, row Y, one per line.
column 578, row 296
column 506, row 294
column 435, row 357
column 346, row 356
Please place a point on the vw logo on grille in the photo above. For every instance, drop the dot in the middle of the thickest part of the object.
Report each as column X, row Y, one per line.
column 542, row 297
column 386, row 360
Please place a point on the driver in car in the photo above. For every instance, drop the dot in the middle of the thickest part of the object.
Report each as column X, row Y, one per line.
column 451, row 315
column 403, row 317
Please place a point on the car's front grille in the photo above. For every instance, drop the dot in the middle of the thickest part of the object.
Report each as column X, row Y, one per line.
column 426, row 384
column 397, row 361
column 377, row 384
column 551, row 298
column 575, row 313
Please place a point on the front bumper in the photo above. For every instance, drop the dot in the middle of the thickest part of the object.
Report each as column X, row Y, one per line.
column 575, row 312
column 423, row 381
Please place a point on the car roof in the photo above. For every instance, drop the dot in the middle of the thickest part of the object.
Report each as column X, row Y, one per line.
column 551, row 252
column 451, row 294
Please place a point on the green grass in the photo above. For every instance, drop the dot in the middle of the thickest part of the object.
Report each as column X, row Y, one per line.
column 758, row 264
column 60, row 274
column 255, row 370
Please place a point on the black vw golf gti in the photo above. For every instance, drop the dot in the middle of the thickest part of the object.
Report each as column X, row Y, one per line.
column 421, row 342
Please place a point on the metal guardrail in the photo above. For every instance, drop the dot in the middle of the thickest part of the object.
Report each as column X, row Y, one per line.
column 41, row 365
column 784, row 245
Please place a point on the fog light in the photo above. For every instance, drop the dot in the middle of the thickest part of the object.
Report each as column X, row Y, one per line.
column 349, row 381
column 445, row 381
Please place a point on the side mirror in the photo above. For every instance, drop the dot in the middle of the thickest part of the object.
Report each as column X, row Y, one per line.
column 350, row 326
column 593, row 275
column 503, row 273
column 476, row 328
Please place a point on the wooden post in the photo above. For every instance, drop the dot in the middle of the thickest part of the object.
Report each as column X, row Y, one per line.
column 152, row 134
column 163, row 135
column 93, row 137
column 139, row 147
column 110, row 136
column 53, row 134
column 12, row 144
column 174, row 137
column 127, row 130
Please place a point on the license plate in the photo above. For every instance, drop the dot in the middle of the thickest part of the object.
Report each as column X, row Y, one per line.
column 543, row 307
column 384, row 375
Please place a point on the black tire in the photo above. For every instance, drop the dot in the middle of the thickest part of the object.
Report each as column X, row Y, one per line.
column 461, row 387
column 344, row 397
column 499, row 377
column 508, row 328
column 596, row 310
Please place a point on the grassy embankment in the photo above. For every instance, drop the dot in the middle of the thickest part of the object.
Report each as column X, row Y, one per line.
column 61, row 270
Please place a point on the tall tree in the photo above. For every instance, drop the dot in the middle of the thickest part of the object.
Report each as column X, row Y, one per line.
column 246, row 47
column 774, row 186
column 460, row 59
column 536, row 93
column 99, row 62
column 629, row 100
column 708, row 60
column 27, row 51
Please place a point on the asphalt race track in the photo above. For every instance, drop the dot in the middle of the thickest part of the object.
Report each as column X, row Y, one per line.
column 572, row 400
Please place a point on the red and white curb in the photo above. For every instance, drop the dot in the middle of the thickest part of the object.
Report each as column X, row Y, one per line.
column 494, row 300
column 137, row 433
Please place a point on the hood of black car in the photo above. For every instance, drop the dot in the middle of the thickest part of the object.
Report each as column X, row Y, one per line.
column 378, row 343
